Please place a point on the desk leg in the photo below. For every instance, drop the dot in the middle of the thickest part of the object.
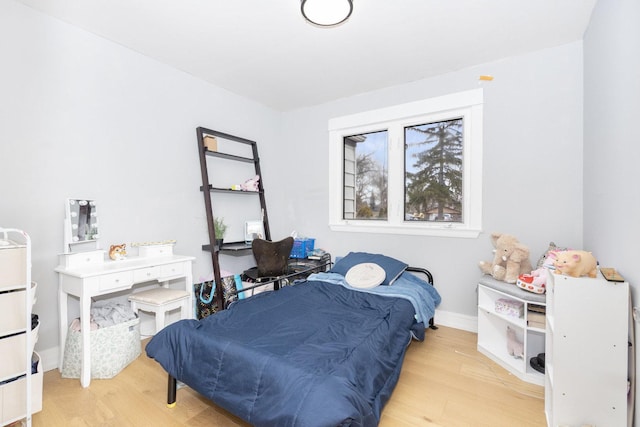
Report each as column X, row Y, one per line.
column 62, row 320
column 85, row 324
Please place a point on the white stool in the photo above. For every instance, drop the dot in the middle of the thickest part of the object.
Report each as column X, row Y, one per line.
column 160, row 301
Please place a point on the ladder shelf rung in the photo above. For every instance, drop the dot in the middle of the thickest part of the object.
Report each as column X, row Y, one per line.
column 228, row 190
column 230, row 156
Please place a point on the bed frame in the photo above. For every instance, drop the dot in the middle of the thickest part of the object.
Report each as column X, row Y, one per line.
column 278, row 282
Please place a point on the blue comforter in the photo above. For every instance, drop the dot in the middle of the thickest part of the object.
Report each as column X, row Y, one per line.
column 313, row 354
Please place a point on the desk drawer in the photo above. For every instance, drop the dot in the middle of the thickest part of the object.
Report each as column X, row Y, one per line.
column 115, row 281
column 173, row 270
column 146, row 274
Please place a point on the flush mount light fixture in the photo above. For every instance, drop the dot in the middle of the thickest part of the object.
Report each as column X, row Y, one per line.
column 326, row 13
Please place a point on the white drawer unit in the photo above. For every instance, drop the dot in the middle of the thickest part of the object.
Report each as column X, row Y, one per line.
column 506, row 334
column 20, row 389
column 589, row 378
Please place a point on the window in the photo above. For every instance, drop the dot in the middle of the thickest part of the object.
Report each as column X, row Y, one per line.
column 409, row 169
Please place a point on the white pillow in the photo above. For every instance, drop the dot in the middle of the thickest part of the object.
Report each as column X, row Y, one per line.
column 365, row 275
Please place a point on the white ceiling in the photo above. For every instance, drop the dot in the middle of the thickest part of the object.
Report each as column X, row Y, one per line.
column 264, row 50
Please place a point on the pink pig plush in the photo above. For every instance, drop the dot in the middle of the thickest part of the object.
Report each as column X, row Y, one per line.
column 576, row 263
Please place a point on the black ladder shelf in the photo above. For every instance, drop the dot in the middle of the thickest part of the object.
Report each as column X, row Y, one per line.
column 207, row 190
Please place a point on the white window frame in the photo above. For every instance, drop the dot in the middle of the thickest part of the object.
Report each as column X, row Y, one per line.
column 469, row 106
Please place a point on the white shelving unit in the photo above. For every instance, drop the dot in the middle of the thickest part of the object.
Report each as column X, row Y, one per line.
column 492, row 328
column 20, row 391
column 590, row 357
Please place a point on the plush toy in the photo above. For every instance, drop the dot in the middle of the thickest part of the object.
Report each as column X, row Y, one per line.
column 576, row 263
column 511, row 259
column 551, row 250
column 536, row 282
column 118, row 252
column 514, row 347
column 250, row 184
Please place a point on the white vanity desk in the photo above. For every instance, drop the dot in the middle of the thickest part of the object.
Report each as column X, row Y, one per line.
column 86, row 275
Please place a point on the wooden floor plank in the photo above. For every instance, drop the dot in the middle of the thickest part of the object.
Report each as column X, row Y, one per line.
column 444, row 382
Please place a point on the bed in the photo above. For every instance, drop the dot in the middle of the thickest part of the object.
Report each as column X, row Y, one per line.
column 318, row 353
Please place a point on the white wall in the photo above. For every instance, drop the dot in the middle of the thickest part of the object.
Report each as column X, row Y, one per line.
column 84, row 117
column 612, row 136
column 532, row 167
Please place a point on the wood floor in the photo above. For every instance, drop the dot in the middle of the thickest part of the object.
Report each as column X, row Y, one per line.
column 444, row 382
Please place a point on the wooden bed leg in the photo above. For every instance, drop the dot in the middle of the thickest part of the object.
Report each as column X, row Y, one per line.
column 171, row 392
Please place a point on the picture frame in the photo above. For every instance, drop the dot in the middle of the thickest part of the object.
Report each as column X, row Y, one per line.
column 253, row 230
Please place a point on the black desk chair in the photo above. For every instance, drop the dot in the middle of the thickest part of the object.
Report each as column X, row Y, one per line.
column 272, row 260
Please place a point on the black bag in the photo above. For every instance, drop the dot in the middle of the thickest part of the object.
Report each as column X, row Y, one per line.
column 205, row 296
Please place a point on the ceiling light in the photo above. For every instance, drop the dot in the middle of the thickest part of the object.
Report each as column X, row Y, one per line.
column 326, row 13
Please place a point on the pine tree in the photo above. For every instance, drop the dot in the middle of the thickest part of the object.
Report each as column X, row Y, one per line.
column 437, row 181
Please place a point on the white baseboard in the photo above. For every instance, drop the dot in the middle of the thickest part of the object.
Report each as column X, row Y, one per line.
column 456, row 320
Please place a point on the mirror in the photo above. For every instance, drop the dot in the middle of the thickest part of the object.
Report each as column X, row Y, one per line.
column 81, row 222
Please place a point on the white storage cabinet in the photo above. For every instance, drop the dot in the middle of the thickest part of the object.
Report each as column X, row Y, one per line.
column 20, row 391
column 492, row 328
column 589, row 378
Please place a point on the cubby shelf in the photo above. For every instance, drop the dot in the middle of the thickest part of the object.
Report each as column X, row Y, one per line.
column 492, row 328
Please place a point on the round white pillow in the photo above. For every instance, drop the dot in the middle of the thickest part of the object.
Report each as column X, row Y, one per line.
column 365, row 276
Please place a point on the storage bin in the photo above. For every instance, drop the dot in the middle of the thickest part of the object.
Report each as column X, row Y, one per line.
column 112, row 349
column 13, row 405
column 12, row 307
column 13, row 351
column 302, row 247
column 510, row 307
column 13, row 266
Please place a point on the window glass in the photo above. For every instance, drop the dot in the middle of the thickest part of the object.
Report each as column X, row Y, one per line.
column 365, row 176
column 412, row 168
column 433, row 171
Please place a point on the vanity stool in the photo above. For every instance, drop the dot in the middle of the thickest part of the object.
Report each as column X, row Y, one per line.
column 160, row 301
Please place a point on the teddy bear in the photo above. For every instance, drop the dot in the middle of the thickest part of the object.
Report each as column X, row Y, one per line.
column 511, row 258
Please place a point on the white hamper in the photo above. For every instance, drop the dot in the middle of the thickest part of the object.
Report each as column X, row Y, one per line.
column 112, row 349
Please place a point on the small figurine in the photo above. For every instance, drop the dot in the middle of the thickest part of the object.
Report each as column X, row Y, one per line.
column 118, row 252
column 250, row 184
